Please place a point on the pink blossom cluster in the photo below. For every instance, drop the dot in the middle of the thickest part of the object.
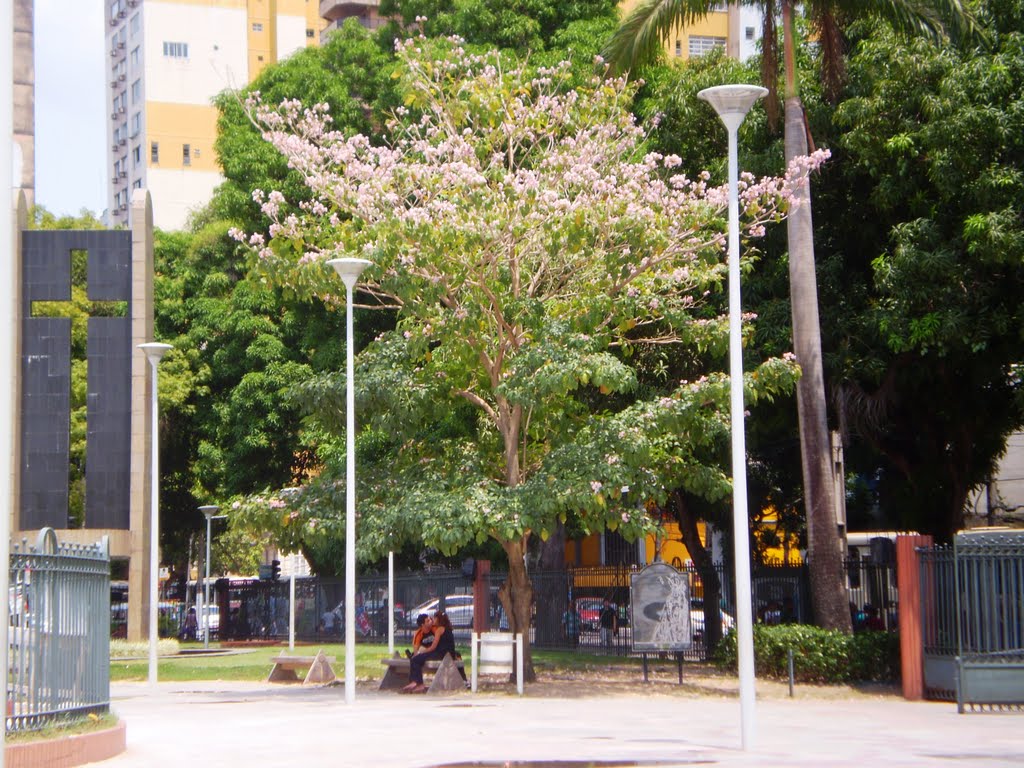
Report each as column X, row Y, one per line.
column 492, row 168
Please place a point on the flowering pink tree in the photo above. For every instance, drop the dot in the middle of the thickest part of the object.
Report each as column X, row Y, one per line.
column 530, row 246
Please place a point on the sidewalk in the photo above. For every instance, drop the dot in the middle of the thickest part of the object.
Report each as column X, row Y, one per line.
column 234, row 724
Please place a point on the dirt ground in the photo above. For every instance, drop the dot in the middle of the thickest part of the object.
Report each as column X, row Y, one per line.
column 663, row 680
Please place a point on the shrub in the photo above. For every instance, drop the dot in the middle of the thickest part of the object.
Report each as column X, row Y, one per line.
column 819, row 655
column 122, row 649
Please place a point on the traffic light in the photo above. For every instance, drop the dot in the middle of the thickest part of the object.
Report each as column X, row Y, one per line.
column 275, row 569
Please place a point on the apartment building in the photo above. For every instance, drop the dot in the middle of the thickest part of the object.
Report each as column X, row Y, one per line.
column 167, row 60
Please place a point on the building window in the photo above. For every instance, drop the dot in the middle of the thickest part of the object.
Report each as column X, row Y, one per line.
column 135, row 24
column 257, row 26
column 137, row 156
column 679, row 47
column 137, row 184
column 259, row 57
column 176, row 50
column 701, row 44
column 134, row 56
column 310, row 32
column 136, row 124
column 749, row 33
column 137, row 91
column 186, row 154
column 154, row 152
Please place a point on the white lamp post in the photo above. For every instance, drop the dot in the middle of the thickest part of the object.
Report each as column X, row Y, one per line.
column 349, row 270
column 154, row 352
column 732, row 102
column 208, row 511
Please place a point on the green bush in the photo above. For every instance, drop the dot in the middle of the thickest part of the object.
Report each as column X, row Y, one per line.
column 819, row 655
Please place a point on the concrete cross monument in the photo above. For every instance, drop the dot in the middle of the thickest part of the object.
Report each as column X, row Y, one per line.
column 119, row 272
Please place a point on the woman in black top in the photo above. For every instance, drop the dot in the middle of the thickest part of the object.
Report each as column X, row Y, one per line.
column 444, row 643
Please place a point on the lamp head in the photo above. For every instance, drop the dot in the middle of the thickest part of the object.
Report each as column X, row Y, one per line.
column 209, row 509
column 154, row 350
column 349, row 269
column 732, row 102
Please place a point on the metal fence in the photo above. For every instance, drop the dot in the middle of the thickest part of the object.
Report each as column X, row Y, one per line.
column 59, row 633
column 254, row 610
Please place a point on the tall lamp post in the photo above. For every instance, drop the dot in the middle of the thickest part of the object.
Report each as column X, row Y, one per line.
column 154, row 352
column 732, row 102
column 349, row 270
column 209, row 512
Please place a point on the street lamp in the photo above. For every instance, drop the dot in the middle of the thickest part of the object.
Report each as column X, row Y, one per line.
column 154, row 352
column 208, row 511
column 348, row 270
column 732, row 102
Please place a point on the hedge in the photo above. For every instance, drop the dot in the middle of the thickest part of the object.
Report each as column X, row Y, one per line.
column 819, row 655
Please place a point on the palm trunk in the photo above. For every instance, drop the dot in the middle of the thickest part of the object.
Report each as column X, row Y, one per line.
column 828, row 586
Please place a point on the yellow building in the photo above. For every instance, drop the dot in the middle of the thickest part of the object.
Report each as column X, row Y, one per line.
column 167, row 61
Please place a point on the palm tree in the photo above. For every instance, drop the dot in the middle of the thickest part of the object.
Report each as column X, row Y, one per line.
column 637, row 40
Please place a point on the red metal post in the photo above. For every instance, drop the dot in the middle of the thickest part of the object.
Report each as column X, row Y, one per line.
column 482, row 596
column 908, row 582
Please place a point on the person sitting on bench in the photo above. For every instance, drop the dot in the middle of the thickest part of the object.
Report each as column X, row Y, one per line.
column 422, row 638
column 444, row 643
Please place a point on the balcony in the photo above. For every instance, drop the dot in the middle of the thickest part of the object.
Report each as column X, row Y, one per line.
column 337, row 10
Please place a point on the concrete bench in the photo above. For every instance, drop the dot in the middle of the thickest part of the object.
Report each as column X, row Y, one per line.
column 497, row 653
column 445, row 672
column 320, row 671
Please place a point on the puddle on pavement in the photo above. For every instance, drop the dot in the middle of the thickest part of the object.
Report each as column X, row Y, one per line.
column 576, row 763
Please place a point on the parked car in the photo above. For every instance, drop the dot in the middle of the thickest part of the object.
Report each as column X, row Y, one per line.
column 458, row 607
column 697, row 620
column 214, row 610
column 589, row 609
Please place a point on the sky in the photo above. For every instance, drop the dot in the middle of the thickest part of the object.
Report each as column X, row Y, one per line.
column 71, row 152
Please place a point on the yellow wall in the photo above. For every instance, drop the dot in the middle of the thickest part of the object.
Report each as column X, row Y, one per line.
column 261, row 44
column 173, row 125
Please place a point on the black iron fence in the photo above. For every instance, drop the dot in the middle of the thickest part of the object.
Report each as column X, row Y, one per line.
column 255, row 610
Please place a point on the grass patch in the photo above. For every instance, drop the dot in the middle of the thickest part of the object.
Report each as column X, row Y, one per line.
column 254, row 664
column 75, row 727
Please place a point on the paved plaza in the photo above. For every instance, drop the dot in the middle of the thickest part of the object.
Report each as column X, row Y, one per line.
column 236, row 724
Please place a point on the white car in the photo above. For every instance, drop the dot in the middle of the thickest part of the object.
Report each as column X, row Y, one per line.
column 214, row 622
column 458, row 607
column 697, row 620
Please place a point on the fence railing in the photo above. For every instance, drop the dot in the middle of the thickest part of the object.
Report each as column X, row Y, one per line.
column 59, row 632
column 253, row 609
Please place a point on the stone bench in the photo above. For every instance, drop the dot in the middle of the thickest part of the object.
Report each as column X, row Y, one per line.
column 445, row 672
column 320, row 671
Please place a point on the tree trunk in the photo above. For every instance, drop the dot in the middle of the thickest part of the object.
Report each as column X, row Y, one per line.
column 828, row 586
column 705, row 568
column 549, row 591
column 516, row 596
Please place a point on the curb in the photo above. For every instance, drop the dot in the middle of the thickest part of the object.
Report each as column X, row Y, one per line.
column 68, row 751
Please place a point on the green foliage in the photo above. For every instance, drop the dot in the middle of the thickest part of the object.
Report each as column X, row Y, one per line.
column 525, row 26
column 921, row 210
column 819, row 655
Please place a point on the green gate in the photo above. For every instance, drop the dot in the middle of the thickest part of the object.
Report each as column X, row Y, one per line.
column 973, row 619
